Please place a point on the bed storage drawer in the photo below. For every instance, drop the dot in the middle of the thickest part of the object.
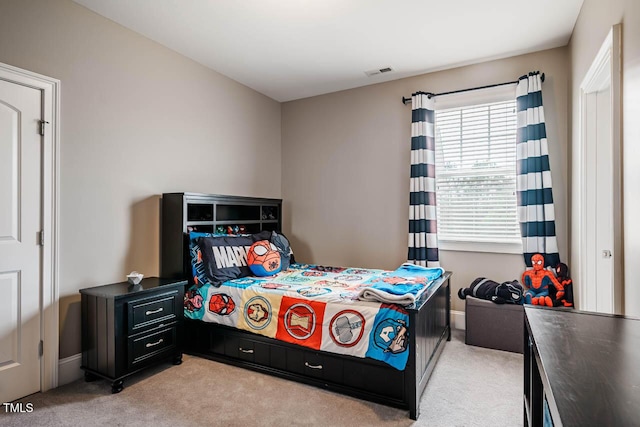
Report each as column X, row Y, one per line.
column 240, row 348
column 229, row 344
column 246, row 349
column 356, row 374
column 315, row 365
column 382, row 380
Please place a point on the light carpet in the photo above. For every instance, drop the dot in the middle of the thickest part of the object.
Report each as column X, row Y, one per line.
column 470, row 386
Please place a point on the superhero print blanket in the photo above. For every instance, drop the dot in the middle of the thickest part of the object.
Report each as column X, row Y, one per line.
column 316, row 307
column 403, row 286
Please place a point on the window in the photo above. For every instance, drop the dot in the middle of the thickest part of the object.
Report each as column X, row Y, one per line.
column 476, row 177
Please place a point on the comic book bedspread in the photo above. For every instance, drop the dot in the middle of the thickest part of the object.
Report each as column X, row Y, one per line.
column 312, row 306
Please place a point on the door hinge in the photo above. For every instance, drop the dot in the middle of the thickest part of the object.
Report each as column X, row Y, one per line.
column 41, row 237
column 41, row 348
column 42, row 123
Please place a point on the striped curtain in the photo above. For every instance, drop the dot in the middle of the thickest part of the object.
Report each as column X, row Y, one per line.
column 423, row 238
column 535, row 198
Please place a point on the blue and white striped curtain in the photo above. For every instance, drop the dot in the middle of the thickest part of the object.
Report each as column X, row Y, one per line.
column 535, row 197
column 423, row 237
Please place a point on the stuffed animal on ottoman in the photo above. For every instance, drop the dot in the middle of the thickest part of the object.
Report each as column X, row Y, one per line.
column 500, row 293
column 537, row 281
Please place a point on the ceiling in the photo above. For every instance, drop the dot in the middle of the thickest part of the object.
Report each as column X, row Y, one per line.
column 291, row 49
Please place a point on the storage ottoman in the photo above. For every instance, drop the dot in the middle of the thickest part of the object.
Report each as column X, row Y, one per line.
column 497, row 326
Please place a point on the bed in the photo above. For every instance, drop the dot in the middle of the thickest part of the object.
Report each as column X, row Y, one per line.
column 372, row 378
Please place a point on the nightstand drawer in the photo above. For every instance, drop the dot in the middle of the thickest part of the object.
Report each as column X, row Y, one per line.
column 147, row 346
column 150, row 311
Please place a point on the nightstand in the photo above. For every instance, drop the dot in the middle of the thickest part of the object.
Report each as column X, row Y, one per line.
column 126, row 328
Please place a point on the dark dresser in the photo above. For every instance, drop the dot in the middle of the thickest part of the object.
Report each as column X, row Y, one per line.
column 126, row 328
column 581, row 369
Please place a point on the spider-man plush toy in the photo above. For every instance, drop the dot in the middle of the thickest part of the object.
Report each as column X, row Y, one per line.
column 562, row 273
column 537, row 281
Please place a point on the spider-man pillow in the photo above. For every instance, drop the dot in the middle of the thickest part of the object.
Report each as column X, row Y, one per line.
column 263, row 258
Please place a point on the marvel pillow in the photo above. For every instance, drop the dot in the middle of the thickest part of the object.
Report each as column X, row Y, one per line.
column 224, row 257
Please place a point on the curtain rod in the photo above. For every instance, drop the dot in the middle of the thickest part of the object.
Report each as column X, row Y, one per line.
column 431, row 95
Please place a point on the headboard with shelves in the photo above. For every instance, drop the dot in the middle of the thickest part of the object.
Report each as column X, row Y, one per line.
column 208, row 213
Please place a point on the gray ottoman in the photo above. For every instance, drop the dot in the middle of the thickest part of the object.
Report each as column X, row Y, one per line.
column 497, row 326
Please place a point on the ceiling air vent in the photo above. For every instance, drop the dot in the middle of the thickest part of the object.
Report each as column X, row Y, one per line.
column 378, row 71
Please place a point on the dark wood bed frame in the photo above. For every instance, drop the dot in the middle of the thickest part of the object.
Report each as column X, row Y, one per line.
column 429, row 324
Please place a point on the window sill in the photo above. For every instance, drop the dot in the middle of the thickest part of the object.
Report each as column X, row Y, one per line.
column 490, row 247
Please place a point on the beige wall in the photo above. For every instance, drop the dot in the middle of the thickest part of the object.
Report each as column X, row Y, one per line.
column 345, row 175
column 137, row 120
column 595, row 20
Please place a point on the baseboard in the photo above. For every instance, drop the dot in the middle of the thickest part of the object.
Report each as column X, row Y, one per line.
column 457, row 320
column 69, row 369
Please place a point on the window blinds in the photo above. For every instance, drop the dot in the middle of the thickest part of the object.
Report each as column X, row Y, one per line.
column 476, row 173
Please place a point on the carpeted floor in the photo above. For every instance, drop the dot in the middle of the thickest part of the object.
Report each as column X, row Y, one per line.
column 470, row 386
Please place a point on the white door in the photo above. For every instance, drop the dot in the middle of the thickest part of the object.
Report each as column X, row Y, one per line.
column 20, row 250
column 600, row 281
column 599, row 201
column 604, row 204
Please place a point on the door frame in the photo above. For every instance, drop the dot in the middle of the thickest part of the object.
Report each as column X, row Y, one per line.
column 49, row 310
column 606, row 64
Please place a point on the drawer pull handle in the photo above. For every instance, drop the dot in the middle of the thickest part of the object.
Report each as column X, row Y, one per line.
column 153, row 344
column 312, row 366
column 154, row 311
column 244, row 350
